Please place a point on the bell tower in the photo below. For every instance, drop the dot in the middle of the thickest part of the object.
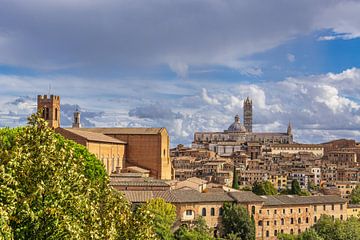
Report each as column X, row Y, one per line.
column 49, row 107
column 248, row 114
column 76, row 123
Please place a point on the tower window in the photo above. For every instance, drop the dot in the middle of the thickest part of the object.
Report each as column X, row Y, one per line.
column 56, row 114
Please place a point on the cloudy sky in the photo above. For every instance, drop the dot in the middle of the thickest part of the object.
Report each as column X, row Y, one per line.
column 185, row 65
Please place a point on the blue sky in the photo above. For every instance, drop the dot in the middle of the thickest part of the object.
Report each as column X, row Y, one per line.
column 186, row 65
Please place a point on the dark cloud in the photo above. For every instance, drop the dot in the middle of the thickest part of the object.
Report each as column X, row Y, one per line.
column 123, row 34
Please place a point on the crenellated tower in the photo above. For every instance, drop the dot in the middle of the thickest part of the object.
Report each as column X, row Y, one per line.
column 248, row 114
column 49, row 107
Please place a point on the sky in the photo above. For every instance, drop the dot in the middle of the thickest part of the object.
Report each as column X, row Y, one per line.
column 185, row 65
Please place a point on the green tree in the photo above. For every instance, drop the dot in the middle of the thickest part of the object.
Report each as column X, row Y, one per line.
column 235, row 183
column 52, row 188
column 236, row 220
column 163, row 214
column 355, row 195
column 295, row 187
column 264, row 188
column 309, row 234
column 328, row 228
column 199, row 231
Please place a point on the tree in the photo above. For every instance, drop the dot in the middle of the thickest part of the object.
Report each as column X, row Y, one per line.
column 235, row 183
column 163, row 215
column 295, row 187
column 355, row 195
column 309, row 234
column 199, row 231
column 52, row 188
column 236, row 220
column 328, row 228
column 264, row 188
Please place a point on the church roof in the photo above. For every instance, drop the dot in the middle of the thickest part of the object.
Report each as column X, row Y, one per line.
column 89, row 136
column 135, row 131
column 236, row 126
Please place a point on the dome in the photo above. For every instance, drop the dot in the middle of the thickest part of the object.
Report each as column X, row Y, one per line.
column 237, row 126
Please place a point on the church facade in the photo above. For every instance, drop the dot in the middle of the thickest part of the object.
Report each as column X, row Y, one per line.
column 237, row 135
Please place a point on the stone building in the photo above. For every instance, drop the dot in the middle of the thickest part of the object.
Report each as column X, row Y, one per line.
column 234, row 138
column 117, row 148
column 272, row 214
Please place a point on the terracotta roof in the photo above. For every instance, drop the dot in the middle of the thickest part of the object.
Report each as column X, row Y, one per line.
column 299, row 200
column 91, row 136
column 136, row 131
column 245, row 197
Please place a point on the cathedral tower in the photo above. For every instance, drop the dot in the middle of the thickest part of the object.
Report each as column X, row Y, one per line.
column 248, row 114
column 49, row 107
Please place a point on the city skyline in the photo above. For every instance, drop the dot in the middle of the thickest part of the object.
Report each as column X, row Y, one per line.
column 186, row 66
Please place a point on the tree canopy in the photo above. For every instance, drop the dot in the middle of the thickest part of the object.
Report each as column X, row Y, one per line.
column 355, row 195
column 237, row 222
column 264, row 188
column 53, row 188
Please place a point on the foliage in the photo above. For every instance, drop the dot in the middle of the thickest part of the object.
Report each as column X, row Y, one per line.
column 264, row 188
column 52, row 188
column 163, row 215
column 199, row 231
column 295, row 187
column 236, row 220
column 355, row 195
column 235, row 183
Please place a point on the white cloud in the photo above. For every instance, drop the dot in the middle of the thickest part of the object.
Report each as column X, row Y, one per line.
column 290, row 57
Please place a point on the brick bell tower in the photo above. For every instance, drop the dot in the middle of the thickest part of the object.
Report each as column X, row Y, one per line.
column 248, row 114
column 49, row 107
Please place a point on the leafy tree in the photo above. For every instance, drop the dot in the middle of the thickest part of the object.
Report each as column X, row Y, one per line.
column 199, row 231
column 355, row 195
column 284, row 236
column 235, row 183
column 52, row 188
column 264, row 188
column 328, row 228
column 163, row 214
column 236, row 220
column 295, row 187
column 309, row 234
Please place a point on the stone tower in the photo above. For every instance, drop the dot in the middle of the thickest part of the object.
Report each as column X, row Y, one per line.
column 289, row 129
column 49, row 107
column 76, row 123
column 248, row 114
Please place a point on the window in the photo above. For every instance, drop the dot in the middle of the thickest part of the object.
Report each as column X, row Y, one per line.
column 291, row 211
column 268, row 212
column 212, row 211
column 315, row 208
column 333, row 207
column 253, row 209
column 220, row 211
column 56, row 114
column 306, row 209
column 324, row 207
column 268, row 223
column 283, row 211
column 299, row 231
column 315, row 219
column 299, row 210
column 259, row 211
column 299, row 220
column 204, row 211
column 267, row 234
column 260, row 223
column 282, row 231
column 341, row 207
column 275, row 211
column 307, row 220
column 341, row 217
column 275, row 233
column 188, row 212
column 292, row 221
column 291, row 231
column 274, row 222
column 282, row 221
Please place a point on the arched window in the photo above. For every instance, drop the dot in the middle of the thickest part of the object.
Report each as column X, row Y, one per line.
column 220, row 211
column 253, row 209
column 212, row 211
column 267, row 234
column 282, row 221
column 299, row 220
column 56, row 114
column 292, row 221
column 275, row 233
column 307, row 220
column 341, row 217
column 204, row 212
column 291, row 231
column 315, row 219
column 260, row 223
